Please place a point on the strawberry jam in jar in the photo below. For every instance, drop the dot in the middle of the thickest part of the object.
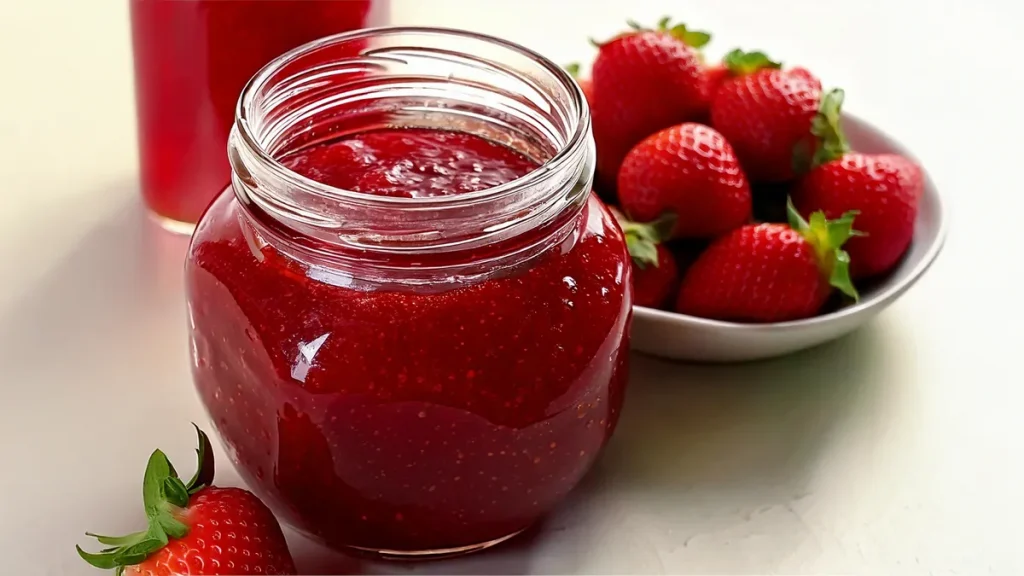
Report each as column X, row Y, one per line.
column 192, row 58
column 408, row 313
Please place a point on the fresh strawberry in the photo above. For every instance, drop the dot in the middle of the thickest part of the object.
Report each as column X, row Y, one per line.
column 196, row 528
column 655, row 275
column 765, row 112
column 716, row 74
column 645, row 80
column 770, row 272
column 883, row 188
column 586, row 85
column 691, row 171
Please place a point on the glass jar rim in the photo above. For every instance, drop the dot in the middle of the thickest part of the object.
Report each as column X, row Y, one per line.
column 562, row 157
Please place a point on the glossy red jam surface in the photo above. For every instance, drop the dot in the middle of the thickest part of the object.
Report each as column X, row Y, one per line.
column 411, row 163
column 192, row 59
column 409, row 419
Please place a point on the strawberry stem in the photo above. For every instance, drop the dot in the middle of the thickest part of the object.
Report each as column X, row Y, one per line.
column 163, row 494
column 827, row 237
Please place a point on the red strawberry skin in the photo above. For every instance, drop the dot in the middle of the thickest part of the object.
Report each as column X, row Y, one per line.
column 765, row 115
column 644, row 81
column 757, row 273
column 716, row 75
column 587, row 85
column 230, row 532
column 692, row 171
column 653, row 285
column 883, row 188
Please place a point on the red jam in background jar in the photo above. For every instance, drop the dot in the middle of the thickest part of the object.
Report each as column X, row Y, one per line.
column 437, row 384
column 192, row 58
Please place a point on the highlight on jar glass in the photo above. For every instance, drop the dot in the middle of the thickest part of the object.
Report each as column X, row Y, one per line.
column 409, row 313
column 192, row 59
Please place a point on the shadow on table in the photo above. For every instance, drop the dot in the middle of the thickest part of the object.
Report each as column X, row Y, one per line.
column 706, row 449
column 100, row 323
column 688, row 425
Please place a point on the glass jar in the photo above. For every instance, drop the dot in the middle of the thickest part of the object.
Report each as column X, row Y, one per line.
column 410, row 376
column 192, row 58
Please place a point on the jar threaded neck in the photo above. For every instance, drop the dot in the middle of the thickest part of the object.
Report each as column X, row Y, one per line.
column 413, row 78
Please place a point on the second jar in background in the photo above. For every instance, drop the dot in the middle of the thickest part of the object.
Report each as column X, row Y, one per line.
column 192, row 58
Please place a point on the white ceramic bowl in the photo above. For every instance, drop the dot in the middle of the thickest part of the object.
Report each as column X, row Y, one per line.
column 683, row 337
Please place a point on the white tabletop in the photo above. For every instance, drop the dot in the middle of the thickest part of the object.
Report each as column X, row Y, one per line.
column 893, row 451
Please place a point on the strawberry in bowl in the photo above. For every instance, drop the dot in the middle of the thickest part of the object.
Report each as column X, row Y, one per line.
column 793, row 223
column 899, row 229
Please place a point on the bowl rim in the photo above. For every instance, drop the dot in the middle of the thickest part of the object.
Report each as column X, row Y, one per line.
column 888, row 293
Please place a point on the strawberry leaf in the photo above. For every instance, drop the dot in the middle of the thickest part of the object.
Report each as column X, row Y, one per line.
column 840, row 277
column 175, row 491
column 663, row 226
column 203, row 476
column 157, row 470
column 796, row 221
column 573, row 68
column 841, row 229
column 827, row 237
column 117, row 540
column 643, row 252
column 104, row 561
column 741, row 63
column 138, row 552
column 696, row 38
column 642, row 238
column 163, row 494
column 171, row 526
column 828, row 130
column 693, row 38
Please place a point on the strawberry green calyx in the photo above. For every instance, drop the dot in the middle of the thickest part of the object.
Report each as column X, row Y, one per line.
column 741, row 63
column 573, row 68
column 642, row 238
column 163, row 495
column 692, row 38
column 827, row 238
column 828, row 130
column 695, row 39
column 827, row 139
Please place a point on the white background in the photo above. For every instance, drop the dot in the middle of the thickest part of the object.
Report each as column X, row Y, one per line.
column 894, row 451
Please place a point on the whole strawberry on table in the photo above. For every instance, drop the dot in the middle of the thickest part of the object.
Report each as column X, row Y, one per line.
column 747, row 158
column 195, row 528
